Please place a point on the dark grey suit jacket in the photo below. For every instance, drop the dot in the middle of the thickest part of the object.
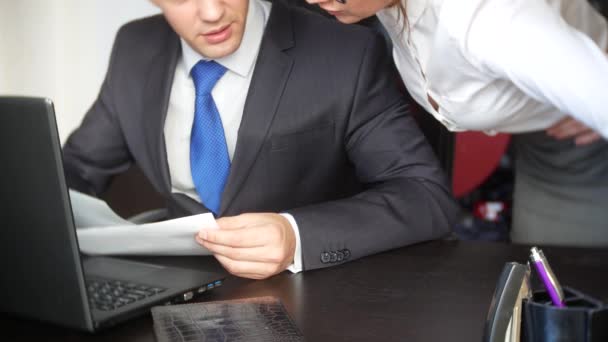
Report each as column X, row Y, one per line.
column 325, row 136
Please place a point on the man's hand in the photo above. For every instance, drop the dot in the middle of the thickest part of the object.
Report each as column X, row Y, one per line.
column 568, row 127
column 254, row 246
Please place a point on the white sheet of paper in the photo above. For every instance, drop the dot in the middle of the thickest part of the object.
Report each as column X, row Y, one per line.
column 93, row 212
column 172, row 237
column 101, row 232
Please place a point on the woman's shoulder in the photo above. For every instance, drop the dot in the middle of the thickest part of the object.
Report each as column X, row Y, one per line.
column 489, row 19
column 457, row 16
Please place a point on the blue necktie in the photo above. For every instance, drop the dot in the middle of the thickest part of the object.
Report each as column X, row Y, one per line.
column 209, row 160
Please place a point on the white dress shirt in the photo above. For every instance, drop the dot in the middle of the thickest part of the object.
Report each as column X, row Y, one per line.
column 504, row 65
column 229, row 94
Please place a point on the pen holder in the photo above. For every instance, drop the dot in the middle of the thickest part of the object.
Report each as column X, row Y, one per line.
column 583, row 319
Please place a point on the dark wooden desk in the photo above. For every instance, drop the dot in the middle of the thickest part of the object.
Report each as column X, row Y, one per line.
column 437, row 291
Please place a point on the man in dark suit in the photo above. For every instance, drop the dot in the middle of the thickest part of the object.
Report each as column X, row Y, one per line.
column 285, row 124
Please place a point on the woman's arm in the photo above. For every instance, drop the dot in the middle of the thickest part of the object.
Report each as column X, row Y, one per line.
column 529, row 43
column 582, row 16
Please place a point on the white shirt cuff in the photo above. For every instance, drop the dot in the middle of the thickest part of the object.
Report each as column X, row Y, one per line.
column 296, row 267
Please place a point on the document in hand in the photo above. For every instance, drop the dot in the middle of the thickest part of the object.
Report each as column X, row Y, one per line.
column 102, row 232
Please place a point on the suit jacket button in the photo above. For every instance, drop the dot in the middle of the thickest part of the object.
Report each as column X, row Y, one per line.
column 340, row 256
column 346, row 254
column 325, row 257
column 334, row 257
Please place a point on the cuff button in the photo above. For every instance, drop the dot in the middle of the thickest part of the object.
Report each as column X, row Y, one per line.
column 325, row 257
column 346, row 254
column 334, row 257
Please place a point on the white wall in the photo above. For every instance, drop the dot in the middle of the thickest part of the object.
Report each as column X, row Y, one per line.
column 60, row 49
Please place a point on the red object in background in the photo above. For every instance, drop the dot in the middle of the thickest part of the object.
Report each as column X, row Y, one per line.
column 476, row 156
column 492, row 211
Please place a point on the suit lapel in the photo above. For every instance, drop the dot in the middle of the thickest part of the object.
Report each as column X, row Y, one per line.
column 157, row 92
column 271, row 73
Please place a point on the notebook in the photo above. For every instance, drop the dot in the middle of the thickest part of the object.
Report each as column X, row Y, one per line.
column 262, row 319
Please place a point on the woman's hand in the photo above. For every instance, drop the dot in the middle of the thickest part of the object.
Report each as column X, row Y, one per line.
column 570, row 128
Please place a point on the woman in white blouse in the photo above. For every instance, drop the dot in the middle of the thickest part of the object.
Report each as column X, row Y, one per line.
column 514, row 66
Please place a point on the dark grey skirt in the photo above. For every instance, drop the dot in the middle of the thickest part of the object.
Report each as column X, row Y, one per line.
column 561, row 192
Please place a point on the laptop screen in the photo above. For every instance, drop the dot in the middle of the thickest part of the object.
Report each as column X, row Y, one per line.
column 42, row 275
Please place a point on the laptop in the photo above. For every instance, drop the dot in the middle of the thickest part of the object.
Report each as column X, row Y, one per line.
column 44, row 275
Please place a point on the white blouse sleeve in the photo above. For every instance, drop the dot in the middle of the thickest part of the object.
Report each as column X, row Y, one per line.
column 530, row 43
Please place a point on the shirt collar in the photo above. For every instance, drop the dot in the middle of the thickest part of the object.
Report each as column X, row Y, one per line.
column 242, row 60
column 415, row 9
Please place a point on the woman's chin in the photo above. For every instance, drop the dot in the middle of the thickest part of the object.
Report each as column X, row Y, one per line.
column 347, row 19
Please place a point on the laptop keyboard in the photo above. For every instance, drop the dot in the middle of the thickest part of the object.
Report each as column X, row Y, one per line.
column 108, row 295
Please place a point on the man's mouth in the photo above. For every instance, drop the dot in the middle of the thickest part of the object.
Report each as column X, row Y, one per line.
column 219, row 35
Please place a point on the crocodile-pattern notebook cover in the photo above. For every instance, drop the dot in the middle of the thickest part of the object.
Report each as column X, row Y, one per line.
column 261, row 319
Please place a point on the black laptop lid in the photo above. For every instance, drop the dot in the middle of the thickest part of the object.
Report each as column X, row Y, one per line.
column 41, row 272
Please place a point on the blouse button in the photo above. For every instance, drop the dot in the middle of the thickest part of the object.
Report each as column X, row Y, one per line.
column 446, row 123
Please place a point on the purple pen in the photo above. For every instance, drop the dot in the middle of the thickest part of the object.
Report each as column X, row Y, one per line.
column 546, row 275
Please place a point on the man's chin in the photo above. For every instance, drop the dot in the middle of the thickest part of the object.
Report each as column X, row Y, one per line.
column 218, row 50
